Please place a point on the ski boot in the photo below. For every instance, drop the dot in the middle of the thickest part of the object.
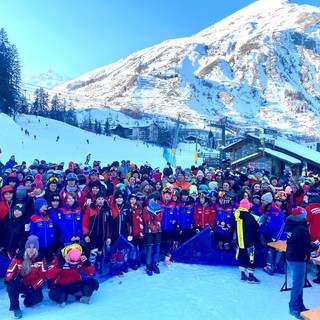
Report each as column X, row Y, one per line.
column 252, row 279
column 17, row 314
column 149, row 270
column 244, row 277
column 268, row 270
column 155, row 268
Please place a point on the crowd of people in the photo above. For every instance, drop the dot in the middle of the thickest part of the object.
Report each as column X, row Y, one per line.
column 58, row 219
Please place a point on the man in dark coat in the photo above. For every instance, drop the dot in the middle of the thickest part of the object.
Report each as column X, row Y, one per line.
column 299, row 247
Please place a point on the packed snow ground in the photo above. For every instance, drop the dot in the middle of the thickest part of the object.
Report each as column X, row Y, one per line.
column 186, row 292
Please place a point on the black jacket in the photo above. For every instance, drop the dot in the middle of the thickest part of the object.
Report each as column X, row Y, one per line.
column 299, row 245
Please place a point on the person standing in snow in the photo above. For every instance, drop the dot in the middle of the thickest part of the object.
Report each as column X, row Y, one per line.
column 247, row 232
column 152, row 216
column 88, row 158
column 298, row 251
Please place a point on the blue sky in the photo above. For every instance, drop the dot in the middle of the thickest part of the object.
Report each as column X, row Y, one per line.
column 76, row 36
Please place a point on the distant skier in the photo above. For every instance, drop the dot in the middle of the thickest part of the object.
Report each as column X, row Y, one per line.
column 35, row 137
column 57, row 138
column 88, row 158
column 87, row 141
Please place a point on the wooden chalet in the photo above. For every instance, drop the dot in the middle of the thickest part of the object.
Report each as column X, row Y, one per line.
column 273, row 154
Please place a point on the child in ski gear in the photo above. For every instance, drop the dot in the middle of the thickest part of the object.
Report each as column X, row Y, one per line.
column 65, row 277
column 26, row 274
column 247, row 234
column 152, row 216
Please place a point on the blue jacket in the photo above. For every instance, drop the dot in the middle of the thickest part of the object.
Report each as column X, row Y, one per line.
column 169, row 213
column 224, row 219
column 70, row 223
column 274, row 223
column 185, row 214
column 43, row 228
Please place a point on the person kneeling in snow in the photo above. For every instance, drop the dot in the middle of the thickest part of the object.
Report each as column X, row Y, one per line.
column 26, row 274
column 65, row 278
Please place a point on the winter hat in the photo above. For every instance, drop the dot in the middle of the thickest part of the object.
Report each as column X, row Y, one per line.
column 37, row 181
column 71, row 166
column 19, row 206
column 32, row 240
column 100, row 194
column 203, row 188
column 199, row 173
column 54, row 197
column 256, row 196
column 213, row 185
column 154, row 195
column 71, row 176
column 12, row 178
column 95, row 183
column 28, row 178
column 299, row 212
column 265, row 180
column 144, row 184
column 86, row 171
column 82, row 179
column 193, row 190
column 157, row 176
column 267, row 197
column 184, row 192
column 39, row 203
column 21, row 192
column 132, row 195
column 7, row 188
column 154, row 208
column 74, row 256
column 311, row 193
column 244, row 203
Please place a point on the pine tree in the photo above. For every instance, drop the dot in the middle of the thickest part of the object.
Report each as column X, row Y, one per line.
column 41, row 103
column 106, row 130
column 9, row 75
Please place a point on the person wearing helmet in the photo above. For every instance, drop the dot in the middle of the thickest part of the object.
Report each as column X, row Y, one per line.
column 152, row 216
column 72, row 186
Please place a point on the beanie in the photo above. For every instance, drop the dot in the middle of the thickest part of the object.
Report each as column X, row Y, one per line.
column 244, row 203
column 144, row 184
column 7, row 188
column 267, row 197
column 199, row 173
column 19, row 206
column 74, row 256
column 54, row 197
column 38, row 182
column 157, row 176
column 100, row 194
column 299, row 212
column 32, row 240
column 21, row 192
column 39, row 203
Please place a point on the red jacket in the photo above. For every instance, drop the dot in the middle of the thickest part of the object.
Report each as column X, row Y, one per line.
column 313, row 218
column 35, row 277
column 4, row 209
column 67, row 275
column 152, row 223
column 204, row 216
column 137, row 222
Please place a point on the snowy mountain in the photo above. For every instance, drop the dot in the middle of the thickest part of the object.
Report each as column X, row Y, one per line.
column 258, row 67
column 46, row 80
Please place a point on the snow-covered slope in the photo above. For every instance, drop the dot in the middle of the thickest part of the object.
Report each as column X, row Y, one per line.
column 259, row 67
column 73, row 146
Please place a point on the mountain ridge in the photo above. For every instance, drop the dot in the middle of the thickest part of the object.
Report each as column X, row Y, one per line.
column 257, row 67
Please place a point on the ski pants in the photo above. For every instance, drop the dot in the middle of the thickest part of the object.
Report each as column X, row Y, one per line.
column 85, row 287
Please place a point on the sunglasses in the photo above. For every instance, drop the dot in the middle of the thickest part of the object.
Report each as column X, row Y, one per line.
column 75, row 261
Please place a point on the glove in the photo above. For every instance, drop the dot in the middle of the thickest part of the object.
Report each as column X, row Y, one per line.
column 61, row 263
column 28, row 290
column 197, row 230
column 129, row 238
column 18, row 280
